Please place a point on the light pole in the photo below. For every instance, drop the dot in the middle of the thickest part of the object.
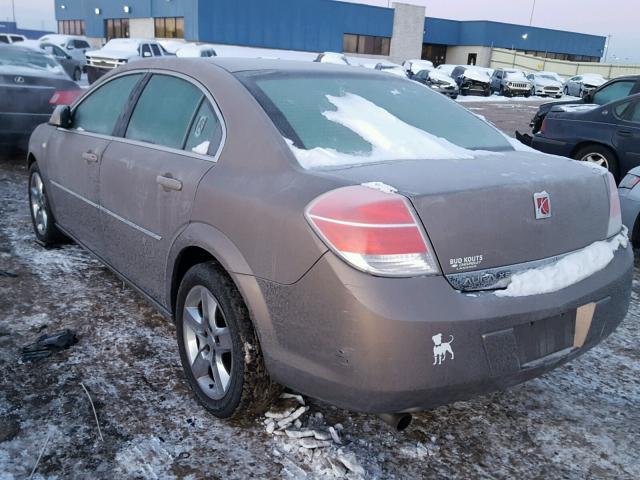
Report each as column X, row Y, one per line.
column 13, row 10
column 533, row 9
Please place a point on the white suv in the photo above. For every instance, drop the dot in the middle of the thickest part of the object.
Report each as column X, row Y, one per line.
column 119, row 51
column 73, row 45
column 11, row 38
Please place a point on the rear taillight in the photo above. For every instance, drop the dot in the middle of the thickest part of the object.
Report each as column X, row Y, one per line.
column 374, row 231
column 629, row 181
column 615, row 217
column 65, row 97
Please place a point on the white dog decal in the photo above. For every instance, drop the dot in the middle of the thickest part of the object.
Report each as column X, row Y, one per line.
column 441, row 348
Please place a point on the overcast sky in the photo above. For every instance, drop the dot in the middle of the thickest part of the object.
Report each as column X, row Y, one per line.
column 618, row 18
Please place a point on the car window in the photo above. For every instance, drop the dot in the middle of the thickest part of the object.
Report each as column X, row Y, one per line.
column 145, row 49
column 164, row 111
column 16, row 39
column 613, row 91
column 4, row 39
column 82, row 44
column 156, row 50
column 206, row 132
column 620, row 109
column 99, row 112
column 332, row 111
column 634, row 113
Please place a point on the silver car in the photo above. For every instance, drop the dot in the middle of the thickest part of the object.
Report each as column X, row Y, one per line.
column 346, row 233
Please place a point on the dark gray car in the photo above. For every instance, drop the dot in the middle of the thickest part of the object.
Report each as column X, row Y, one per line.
column 312, row 226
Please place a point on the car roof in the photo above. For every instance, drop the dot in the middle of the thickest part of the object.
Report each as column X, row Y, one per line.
column 244, row 64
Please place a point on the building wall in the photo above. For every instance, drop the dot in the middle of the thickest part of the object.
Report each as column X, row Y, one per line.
column 505, row 35
column 94, row 24
column 12, row 27
column 408, row 30
column 311, row 25
column 141, row 28
column 459, row 55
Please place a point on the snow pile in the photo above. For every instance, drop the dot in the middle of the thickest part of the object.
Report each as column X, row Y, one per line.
column 477, row 75
column 567, row 271
column 382, row 187
column 310, row 442
column 201, row 148
column 390, row 137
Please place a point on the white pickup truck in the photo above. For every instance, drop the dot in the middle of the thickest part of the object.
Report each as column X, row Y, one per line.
column 119, row 51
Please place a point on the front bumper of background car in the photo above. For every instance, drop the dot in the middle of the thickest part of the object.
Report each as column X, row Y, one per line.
column 407, row 344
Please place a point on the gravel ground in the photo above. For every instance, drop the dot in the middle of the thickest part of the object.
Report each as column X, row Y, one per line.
column 580, row 421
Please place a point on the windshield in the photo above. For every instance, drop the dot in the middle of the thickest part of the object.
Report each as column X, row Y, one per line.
column 547, row 77
column 515, row 75
column 332, row 119
column 22, row 57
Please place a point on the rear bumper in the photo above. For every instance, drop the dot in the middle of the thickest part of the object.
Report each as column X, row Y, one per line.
column 17, row 127
column 552, row 146
column 365, row 342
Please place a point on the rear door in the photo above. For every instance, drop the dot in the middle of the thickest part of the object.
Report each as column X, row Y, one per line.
column 627, row 134
column 149, row 176
column 75, row 155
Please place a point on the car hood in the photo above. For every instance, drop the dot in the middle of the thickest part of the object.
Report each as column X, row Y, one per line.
column 112, row 54
column 546, row 82
column 593, row 82
column 476, row 76
column 441, row 77
column 480, row 213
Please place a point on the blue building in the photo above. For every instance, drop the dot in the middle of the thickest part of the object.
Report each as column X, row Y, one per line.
column 398, row 33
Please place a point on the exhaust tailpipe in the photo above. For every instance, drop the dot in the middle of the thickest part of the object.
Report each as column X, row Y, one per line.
column 397, row 421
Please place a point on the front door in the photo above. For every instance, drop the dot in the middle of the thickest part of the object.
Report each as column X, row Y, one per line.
column 76, row 155
column 149, row 178
column 628, row 136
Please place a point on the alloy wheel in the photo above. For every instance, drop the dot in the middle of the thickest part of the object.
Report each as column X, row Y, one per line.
column 208, row 343
column 596, row 158
column 38, row 203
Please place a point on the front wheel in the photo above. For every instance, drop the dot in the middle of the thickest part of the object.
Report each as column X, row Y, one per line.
column 219, row 348
column 600, row 155
column 41, row 216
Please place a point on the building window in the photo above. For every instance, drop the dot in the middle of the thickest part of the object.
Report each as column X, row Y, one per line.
column 169, row 27
column 116, row 28
column 71, row 27
column 368, row 44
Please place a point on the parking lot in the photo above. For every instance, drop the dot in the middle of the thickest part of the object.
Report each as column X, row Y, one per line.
column 580, row 421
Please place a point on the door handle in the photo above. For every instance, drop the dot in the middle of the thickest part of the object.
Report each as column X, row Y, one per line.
column 169, row 183
column 90, row 157
column 625, row 133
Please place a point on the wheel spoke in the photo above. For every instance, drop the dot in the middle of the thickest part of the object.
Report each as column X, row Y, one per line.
column 200, row 365
column 209, row 308
column 223, row 343
column 192, row 319
column 220, row 374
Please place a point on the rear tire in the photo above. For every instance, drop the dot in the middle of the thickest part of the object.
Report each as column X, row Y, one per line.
column 44, row 224
column 219, row 348
column 600, row 155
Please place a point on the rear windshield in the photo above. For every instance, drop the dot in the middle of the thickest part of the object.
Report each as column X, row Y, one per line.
column 22, row 57
column 335, row 119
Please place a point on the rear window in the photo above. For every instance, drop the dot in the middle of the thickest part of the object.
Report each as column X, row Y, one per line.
column 335, row 119
column 22, row 57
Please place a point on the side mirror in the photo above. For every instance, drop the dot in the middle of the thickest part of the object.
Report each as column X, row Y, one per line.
column 61, row 117
column 588, row 98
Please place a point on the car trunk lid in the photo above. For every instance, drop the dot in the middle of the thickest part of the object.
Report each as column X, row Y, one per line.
column 480, row 214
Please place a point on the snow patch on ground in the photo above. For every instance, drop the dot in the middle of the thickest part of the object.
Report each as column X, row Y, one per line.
column 567, row 271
